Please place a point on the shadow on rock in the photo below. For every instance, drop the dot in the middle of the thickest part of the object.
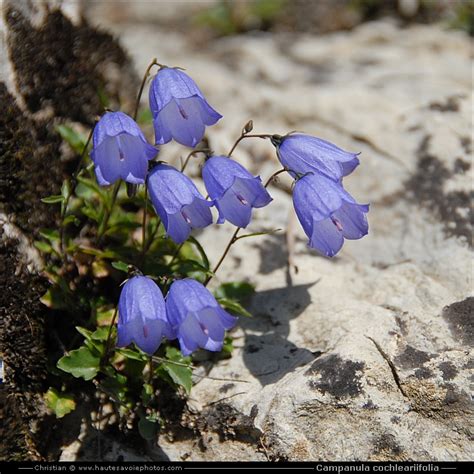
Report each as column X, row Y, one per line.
column 270, row 356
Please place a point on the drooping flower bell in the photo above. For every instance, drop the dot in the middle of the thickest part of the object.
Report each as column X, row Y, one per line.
column 179, row 108
column 178, row 202
column 120, row 150
column 304, row 153
column 196, row 316
column 234, row 190
column 328, row 213
column 142, row 315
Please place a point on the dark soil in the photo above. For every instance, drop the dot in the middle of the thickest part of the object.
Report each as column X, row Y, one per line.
column 65, row 66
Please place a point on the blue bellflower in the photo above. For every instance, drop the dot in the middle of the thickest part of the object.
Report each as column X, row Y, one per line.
column 120, row 150
column 196, row 316
column 328, row 213
column 179, row 108
column 234, row 190
column 177, row 201
column 142, row 315
column 303, row 154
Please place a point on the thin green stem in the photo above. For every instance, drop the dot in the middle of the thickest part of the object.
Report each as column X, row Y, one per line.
column 72, row 185
column 151, row 237
column 105, row 356
column 274, row 175
column 235, row 236
column 192, row 153
column 150, row 370
column 145, row 212
column 246, row 135
column 108, row 212
column 224, row 255
column 142, row 86
column 175, row 255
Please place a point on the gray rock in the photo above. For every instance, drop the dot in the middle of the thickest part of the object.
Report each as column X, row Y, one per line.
column 366, row 356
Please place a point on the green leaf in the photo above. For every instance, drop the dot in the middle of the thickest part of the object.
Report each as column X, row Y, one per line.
column 180, row 372
column 66, row 189
column 84, row 332
column 74, row 139
column 99, row 253
column 237, row 290
column 104, row 315
column 55, row 298
column 131, row 354
column 50, row 234
column 90, row 211
column 147, row 393
column 53, row 199
column 122, row 266
column 115, row 385
column 201, row 251
column 86, row 186
column 148, row 427
column 71, row 219
column 228, row 346
column 43, row 246
column 100, row 334
column 60, row 403
column 81, row 362
column 233, row 307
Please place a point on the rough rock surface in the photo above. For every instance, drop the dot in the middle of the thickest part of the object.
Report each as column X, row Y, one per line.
column 53, row 65
column 368, row 355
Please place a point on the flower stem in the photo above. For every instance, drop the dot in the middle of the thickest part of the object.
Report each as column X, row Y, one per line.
column 246, row 135
column 109, row 337
column 176, row 253
column 72, row 185
column 142, row 86
column 192, row 153
column 145, row 212
column 224, row 255
column 151, row 236
column 150, row 370
column 108, row 212
column 274, row 175
column 235, row 236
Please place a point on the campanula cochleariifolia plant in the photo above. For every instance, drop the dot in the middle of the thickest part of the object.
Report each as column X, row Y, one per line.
column 126, row 269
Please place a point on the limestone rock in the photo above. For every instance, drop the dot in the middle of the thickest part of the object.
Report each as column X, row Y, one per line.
column 368, row 355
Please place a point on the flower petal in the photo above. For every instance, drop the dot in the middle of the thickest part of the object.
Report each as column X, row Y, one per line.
column 353, row 220
column 234, row 208
column 326, row 237
column 252, row 191
column 170, row 189
column 178, row 229
column 349, row 166
column 183, row 121
column 304, row 153
column 198, row 213
column 191, row 335
column 107, row 158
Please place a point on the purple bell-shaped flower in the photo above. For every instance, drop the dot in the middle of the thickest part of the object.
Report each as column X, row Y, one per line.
column 304, row 154
column 179, row 109
column 177, row 201
column 120, row 150
column 328, row 213
column 196, row 316
column 234, row 190
column 142, row 315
